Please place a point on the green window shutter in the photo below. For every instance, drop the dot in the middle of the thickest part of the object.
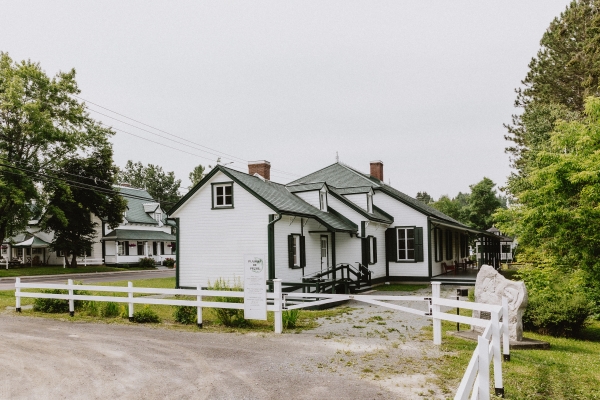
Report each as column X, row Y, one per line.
column 374, row 250
column 418, row 244
column 364, row 244
column 391, row 244
column 302, row 251
column 291, row 251
column 126, row 248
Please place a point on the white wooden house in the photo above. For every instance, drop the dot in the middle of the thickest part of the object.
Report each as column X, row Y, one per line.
column 144, row 232
column 310, row 227
column 504, row 247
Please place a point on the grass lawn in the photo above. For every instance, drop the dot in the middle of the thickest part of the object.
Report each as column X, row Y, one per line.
column 306, row 319
column 569, row 370
column 59, row 270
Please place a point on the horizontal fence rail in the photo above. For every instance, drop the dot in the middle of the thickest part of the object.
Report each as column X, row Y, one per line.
column 475, row 382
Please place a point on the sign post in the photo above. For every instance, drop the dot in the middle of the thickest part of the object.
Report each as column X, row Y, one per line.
column 255, row 288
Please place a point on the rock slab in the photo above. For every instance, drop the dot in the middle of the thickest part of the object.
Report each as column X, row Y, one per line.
column 490, row 287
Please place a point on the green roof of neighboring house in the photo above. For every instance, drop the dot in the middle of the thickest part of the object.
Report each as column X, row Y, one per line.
column 33, row 242
column 133, row 234
column 340, row 176
column 135, row 212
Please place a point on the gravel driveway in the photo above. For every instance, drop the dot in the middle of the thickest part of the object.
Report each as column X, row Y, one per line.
column 368, row 353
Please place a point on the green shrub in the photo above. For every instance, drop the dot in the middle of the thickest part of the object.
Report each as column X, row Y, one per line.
column 58, row 305
column 146, row 315
column 229, row 316
column 559, row 302
column 110, row 310
column 186, row 315
column 169, row 262
column 146, row 262
column 124, row 310
column 563, row 314
column 290, row 318
column 91, row 308
column 52, row 305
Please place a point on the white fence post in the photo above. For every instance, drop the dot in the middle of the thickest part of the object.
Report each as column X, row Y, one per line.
column 437, row 323
column 199, row 299
column 71, row 300
column 18, row 294
column 483, row 386
column 498, row 385
column 7, row 261
column 130, row 295
column 277, row 303
column 505, row 335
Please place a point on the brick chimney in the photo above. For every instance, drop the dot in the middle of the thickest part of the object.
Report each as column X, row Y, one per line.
column 377, row 169
column 261, row 167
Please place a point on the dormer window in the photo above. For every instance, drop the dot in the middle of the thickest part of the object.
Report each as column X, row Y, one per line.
column 370, row 203
column 323, row 201
column 222, row 195
column 158, row 216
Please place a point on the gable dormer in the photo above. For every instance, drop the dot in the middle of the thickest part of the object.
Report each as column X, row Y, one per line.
column 314, row 194
column 362, row 196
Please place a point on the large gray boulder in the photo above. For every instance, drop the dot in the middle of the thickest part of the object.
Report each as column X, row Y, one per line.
column 490, row 287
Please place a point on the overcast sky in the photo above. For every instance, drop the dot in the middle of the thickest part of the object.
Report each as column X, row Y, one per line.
column 424, row 86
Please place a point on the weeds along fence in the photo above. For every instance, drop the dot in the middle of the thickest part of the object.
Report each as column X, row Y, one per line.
column 475, row 382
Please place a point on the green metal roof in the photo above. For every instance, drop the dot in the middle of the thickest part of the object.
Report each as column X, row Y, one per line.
column 341, row 176
column 133, row 234
column 281, row 200
column 135, row 205
column 305, row 187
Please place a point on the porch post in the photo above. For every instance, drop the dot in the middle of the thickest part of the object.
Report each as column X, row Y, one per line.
column 116, row 252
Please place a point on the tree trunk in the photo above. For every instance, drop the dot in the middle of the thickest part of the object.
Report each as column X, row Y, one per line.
column 74, row 261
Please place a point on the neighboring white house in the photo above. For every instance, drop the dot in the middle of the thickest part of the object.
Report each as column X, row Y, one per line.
column 505, row 247
column 144, row 232
column 334, row 216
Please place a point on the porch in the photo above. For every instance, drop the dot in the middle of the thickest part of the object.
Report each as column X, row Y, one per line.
column 461, row 276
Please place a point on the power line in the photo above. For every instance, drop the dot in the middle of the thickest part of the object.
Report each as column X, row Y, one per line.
column 170, row 134
column 79, row 185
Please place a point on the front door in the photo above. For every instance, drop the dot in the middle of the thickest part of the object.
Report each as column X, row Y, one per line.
column 324, row 253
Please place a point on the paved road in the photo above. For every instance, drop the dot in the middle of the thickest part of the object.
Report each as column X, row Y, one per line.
column 9, row 283
column 50, row 359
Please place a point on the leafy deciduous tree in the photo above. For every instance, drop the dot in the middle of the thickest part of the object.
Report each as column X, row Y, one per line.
column 71, row 206
column 161, row 185
column 40, row 125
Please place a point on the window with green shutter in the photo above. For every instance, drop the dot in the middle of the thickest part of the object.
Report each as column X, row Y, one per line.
column 296, row 251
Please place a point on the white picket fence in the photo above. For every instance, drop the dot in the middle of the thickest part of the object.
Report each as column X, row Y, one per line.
column 476, row 380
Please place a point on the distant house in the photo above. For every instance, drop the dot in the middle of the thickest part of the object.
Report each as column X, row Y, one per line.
column 144, row 232
column 504, row 246
column 310, row 227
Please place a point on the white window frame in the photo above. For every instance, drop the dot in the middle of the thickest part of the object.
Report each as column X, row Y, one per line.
column 224, row 195
column 370, row 203
column 372, row 250
column 406, row 240
column 323, row 201
column 296, row 249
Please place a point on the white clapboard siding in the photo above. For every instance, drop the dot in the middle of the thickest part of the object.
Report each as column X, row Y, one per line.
column 348, row 249
column 405, row 216
column 212, row 243
column 378, row 231
column 311, row 197
column 360, row 199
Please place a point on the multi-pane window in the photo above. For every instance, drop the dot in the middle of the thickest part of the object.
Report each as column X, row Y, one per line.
column 223, row 195
column 406, row 244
